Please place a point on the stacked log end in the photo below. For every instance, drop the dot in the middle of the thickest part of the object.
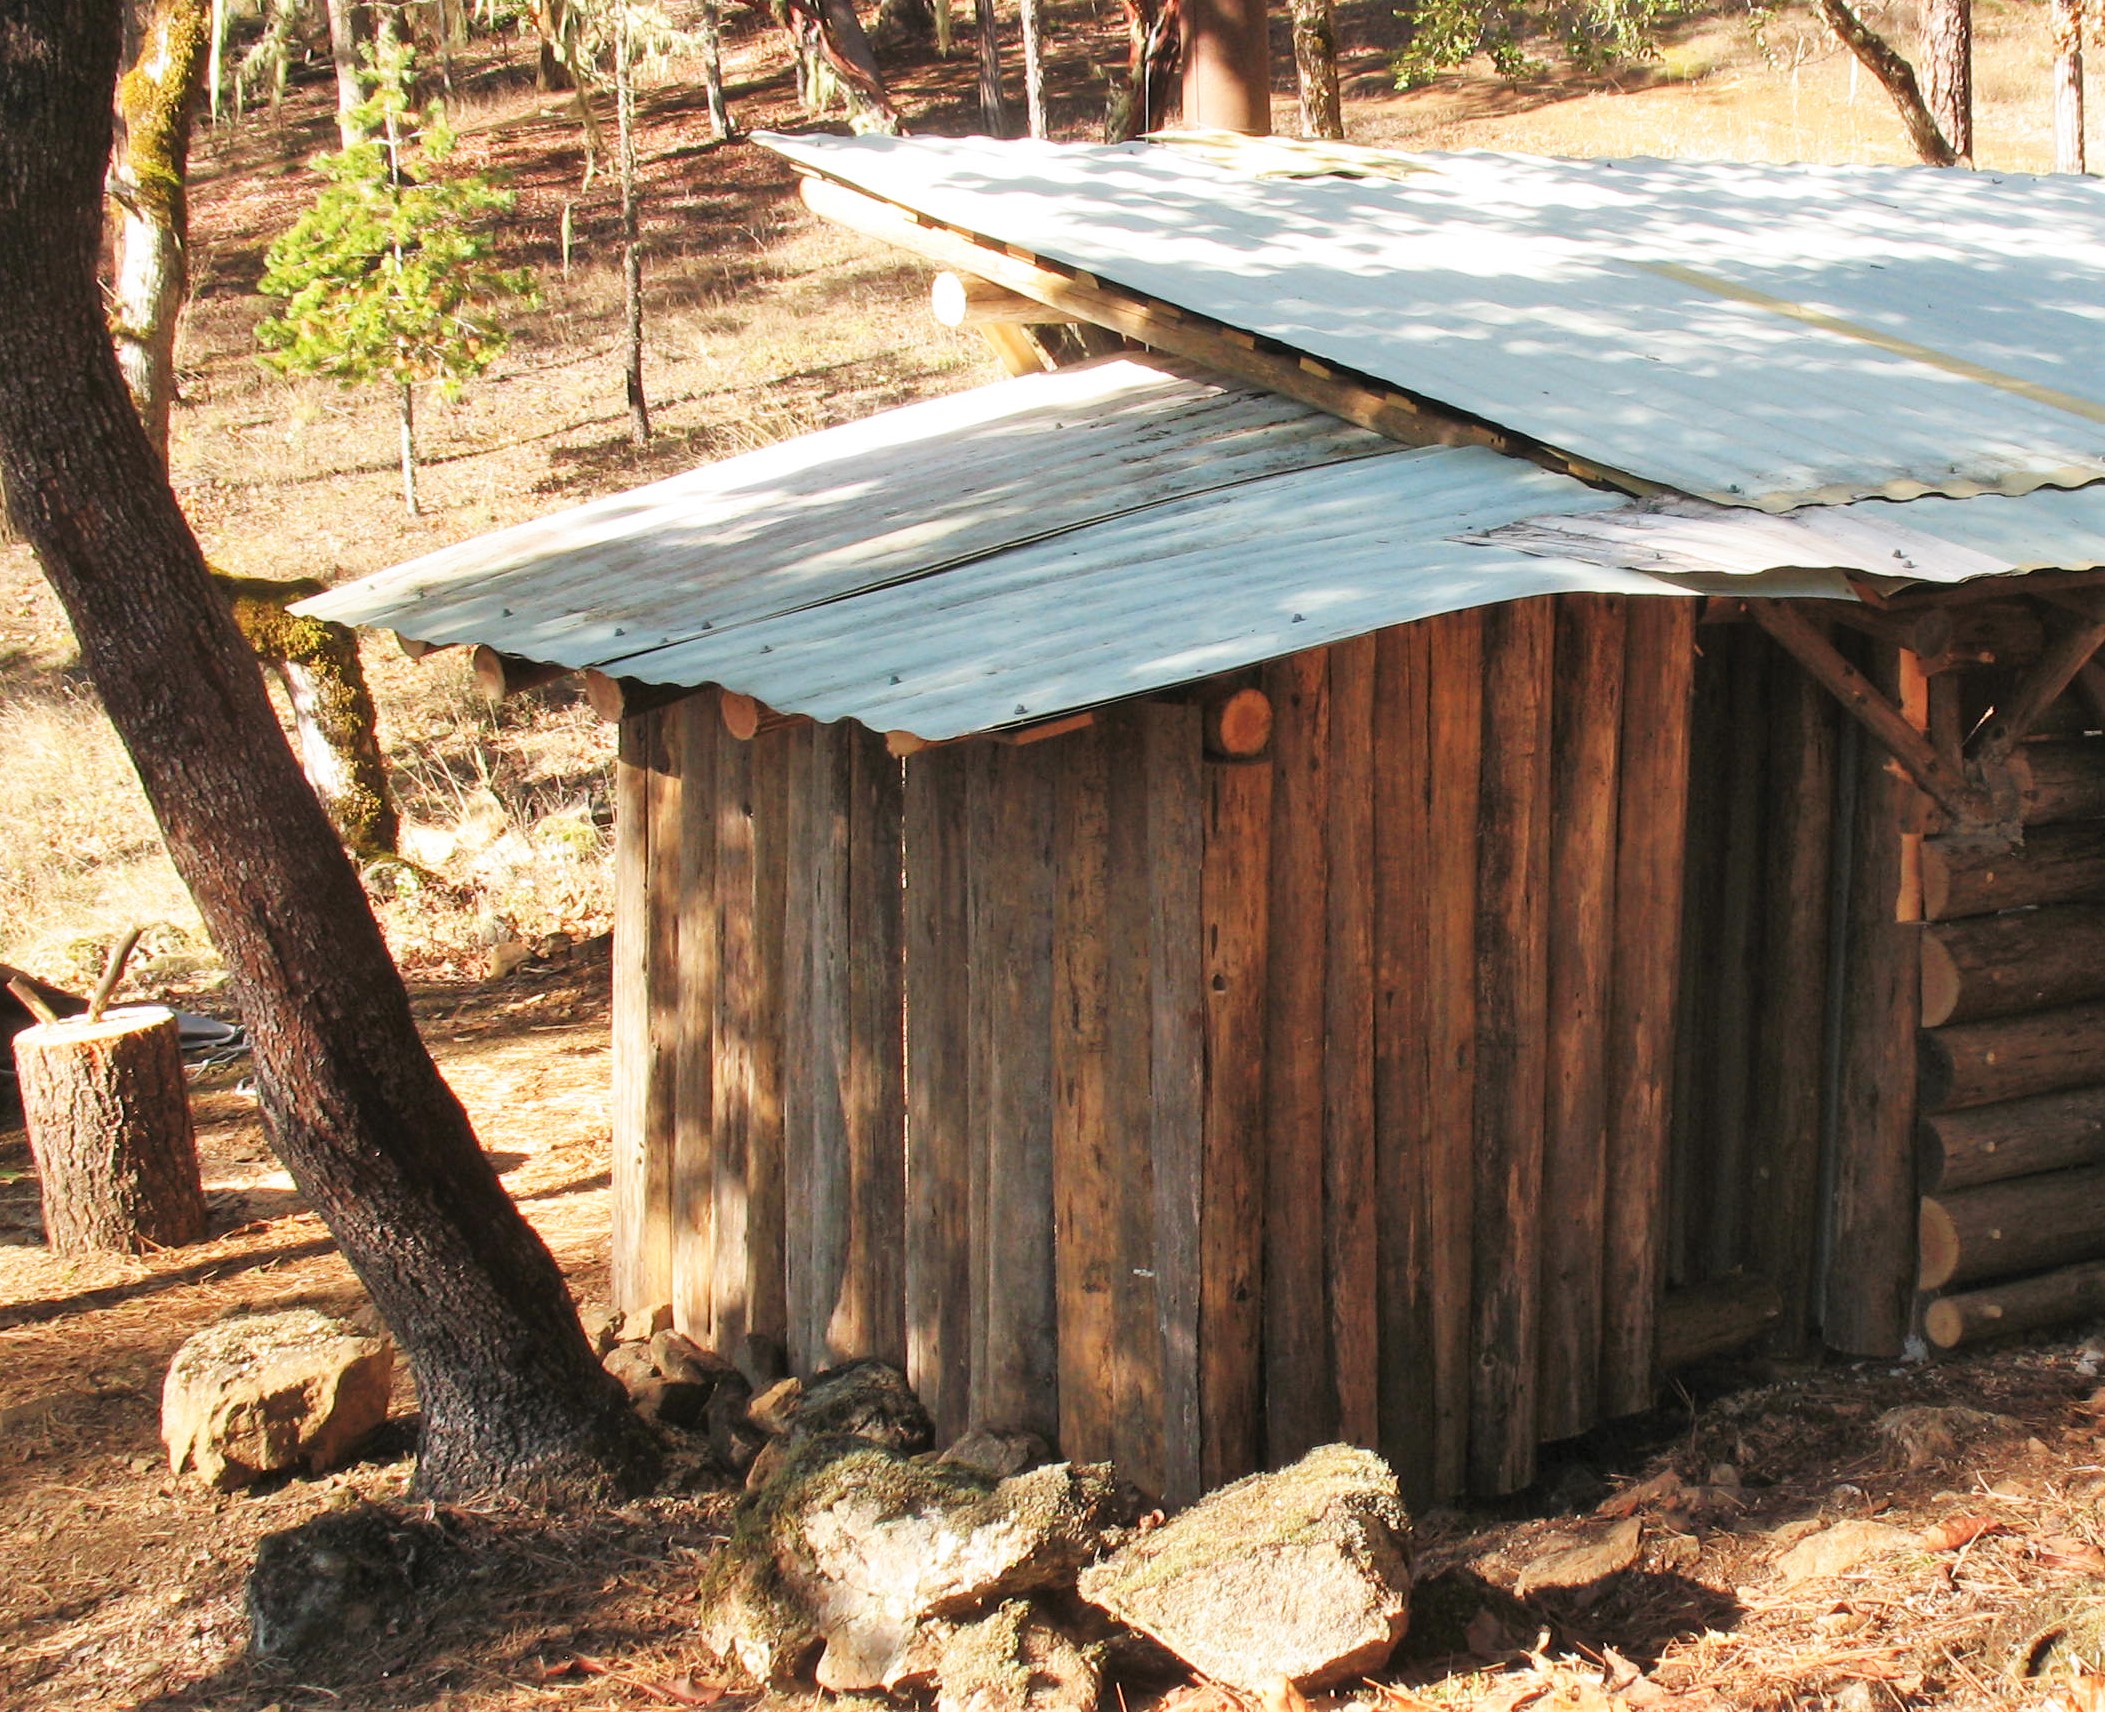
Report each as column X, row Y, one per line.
column 2011, row 1154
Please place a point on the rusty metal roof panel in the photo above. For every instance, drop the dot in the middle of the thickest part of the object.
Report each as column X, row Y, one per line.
column 819, row 516
column 1754, row 335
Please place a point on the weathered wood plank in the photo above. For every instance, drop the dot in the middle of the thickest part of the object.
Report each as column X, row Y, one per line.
column 1173, row 737
column 871, row 1316
column 1513, row 824
column 694, row 1155
column 1586, row 739
column 1086, row 1217
column 644, row 1069
column 826, row 1212
column 1015, row 1379
column 1871, row 1269
column 1300, row 1410
column 738, row 1020
column 1348, row 1048
column 764, row 1184
column 1650, row 828
column 1404, row 1143
column 1234, row 890
column 1791, row 1070
column 1454, row 772
column 939, row 1301
column 799, row 1086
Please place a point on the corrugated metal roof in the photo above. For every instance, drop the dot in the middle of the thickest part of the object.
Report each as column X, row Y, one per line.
column 1930, row 540
column 1755, row 335
column 819, row 516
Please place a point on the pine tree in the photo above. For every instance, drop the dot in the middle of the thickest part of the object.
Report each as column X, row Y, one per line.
column 388, row 277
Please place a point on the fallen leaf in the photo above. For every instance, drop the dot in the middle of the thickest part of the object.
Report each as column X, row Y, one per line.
column 2064, row 1551
column 685, row 1691
column 1280, row 1695
column 1621, row 1672
column 1956, row 1531
column 1511, row 1696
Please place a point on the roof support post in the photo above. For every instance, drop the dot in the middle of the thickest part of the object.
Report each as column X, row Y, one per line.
column 1227, row 67
column 1940, row 775
column 2065, row 657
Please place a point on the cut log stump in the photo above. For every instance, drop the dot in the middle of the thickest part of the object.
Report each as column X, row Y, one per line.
column 109, row 1123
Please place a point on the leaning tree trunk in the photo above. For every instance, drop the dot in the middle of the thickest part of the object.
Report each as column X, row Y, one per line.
column 512, row 1398
column 1947, row 63
column 1316, row 67
column 1896, row 76
column 148, row 181
column 108, row 1115
column 2068, row 86
column 332, row 708
column 711, row 25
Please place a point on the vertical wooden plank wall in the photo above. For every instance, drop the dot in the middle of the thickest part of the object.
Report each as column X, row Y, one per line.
column 694, row 1076
column 646, row 797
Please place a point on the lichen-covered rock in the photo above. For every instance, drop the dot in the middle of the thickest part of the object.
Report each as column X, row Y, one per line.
column 1298, row 1574
column 264, row 1393
column 866, row 1546
column 750, row 1620
column 997, row 1453
column 774, row 1411
column 1015, row 1659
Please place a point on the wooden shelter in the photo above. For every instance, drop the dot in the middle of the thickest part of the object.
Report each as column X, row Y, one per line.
column 1185, row 989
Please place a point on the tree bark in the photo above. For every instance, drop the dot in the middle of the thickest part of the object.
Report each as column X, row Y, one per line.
column 1031, row 12
column 108, row 1116
column 1316, row 67
column 631, row 241
column 149, row 183
column 407, row 415
column 512, row 1398
column 1154, row 70
column 1896, row 76
column 1947, row 61
column 2068, row 86
column 993, row 105
column 720, row 125
column 343, row 52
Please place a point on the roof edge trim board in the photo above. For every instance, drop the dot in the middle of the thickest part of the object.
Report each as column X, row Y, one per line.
column 1928, row 355
column 1361, row 399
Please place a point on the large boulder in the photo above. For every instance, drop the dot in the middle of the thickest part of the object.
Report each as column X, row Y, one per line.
column 866, row 1547
column 264, row 1393
column 1299, row 1574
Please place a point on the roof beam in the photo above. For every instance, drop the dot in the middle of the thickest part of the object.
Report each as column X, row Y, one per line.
column 1226, row 350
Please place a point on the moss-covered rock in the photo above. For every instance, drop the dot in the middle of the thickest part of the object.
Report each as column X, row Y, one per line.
column 864, row 1547
column 1015, row 1659
column 1301, row 1573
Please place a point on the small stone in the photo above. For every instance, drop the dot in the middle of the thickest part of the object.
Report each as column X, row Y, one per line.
column 1925, row 1434
column 508, row 957
column 1580, row 1564
column 1840, row 1548
column 678, row 1356
column 602, row 1326
column 631, row 1364
column 774, row 1411
column 1299, row 1574
column 773, row 1457
column 640, row 1325
column 1016, row 1660
column 997, row 1453
column 263, row 1393
column 670, row 1402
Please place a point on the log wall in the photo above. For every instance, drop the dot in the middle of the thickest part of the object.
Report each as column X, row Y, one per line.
column 1190, row 1112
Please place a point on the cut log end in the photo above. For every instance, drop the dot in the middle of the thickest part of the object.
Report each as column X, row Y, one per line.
column 1940, row 980
column 964, row 300
column 615, row 699
column 499, row 675
column 1239, row 726
column 1937, row 1240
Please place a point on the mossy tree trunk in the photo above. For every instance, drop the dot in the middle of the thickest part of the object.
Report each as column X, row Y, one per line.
column 513, row 1399
column 1316, row 62
column 156, row 100
column 332, row 708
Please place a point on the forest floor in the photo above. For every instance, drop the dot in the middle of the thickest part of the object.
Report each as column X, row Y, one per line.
column 123, row 1588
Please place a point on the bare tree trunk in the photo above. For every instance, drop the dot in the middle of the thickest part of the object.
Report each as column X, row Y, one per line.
column 343, row 53
column 944, row 23
column 631, row 243
column 511, row 1396
column 1947, row 61
column 720, row 125
column 1034, row 67
column 157, row 100
column 1878, row 57
column 408, row 416
column 993, row 106
column 1154, row 70
column 1316, row 68
column 2068, row 86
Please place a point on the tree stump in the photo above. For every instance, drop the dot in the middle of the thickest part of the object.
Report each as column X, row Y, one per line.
column 108, row 1115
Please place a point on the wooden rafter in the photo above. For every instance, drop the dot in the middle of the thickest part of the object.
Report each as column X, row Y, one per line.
column 1941, row 775
column 2065, row 657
